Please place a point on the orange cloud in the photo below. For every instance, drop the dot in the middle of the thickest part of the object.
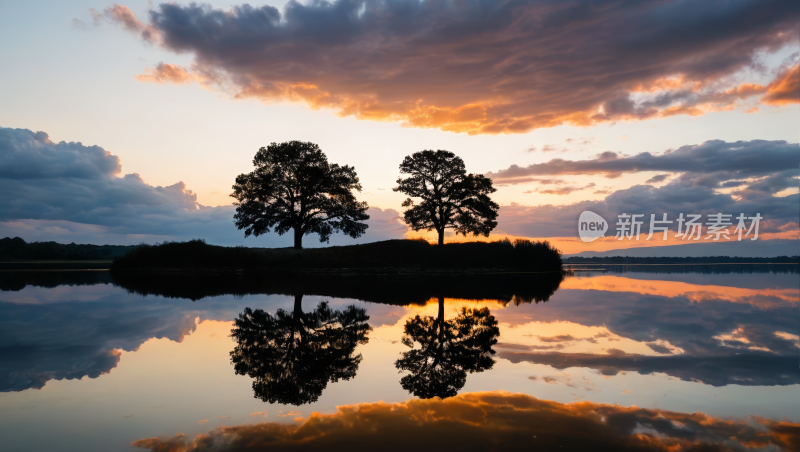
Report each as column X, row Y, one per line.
column 765, row 298
column 125, row 17
column 418, row 65
column 785, row 89
column 682, row 110
column 494, row 421
column 166, row 73
column 660, row 84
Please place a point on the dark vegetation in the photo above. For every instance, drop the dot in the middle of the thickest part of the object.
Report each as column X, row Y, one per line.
column 198, row 256
column 683, row 260
column 17, row 248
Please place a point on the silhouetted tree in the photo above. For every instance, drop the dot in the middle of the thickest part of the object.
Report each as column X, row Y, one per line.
column 293, row 356
column 295, row 188
column 448, row 350
column 451, row 198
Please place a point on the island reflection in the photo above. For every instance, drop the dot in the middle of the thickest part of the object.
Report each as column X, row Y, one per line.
column 47, row 348
column 292, row 356
column 395, row 289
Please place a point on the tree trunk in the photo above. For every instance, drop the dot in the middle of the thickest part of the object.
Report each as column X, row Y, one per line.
column 298, row 309
column 440, row 320
column 441, row 237
column 298, row 239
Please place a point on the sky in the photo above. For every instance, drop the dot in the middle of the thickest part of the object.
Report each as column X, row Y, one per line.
column 129, row 122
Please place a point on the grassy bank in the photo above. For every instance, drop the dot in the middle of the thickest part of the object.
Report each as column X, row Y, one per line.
column 406, row 254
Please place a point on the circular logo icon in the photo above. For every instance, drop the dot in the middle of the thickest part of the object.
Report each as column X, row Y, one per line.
column 591, row 226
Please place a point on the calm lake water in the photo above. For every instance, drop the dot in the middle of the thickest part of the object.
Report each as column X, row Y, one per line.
column 632, row 357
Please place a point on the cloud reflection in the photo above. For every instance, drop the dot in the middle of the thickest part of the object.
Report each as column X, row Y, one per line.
column 747, row 369
column 493, row 421
column 72, row 340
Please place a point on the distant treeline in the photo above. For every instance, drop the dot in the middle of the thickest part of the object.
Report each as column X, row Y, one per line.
column 708, row 269
column 417, row 254
column 682, row 260
column 17, row 248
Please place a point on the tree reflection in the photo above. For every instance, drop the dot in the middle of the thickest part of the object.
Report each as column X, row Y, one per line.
column 448, row 350
column 292, row 356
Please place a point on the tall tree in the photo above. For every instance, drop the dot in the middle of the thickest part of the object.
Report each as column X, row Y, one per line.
column 295, row 188
column 450, row 198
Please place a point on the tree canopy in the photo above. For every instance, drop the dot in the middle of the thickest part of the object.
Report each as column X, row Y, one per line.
column 448, row 349
column 450, row 198
column 295, row 188
column 292, row 356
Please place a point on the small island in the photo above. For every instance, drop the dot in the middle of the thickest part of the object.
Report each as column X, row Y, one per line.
column 294, row 189
column 386, row 257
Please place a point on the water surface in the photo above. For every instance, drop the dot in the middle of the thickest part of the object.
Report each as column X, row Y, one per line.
column 89, row 361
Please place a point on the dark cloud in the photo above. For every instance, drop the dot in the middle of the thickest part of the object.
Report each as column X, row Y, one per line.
column 531, row 179
column 768, row 166
column 559, row 338
column 731, row 183
column 658, row 348
column 746, row 369
column 474, row 66
column 739, row 159
column 656, row 179
column 673, row 199
column 565, row 190
column 550, row 181
column 505, row 345
column 63, row 191
column 27, row 155
column 492, row 421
